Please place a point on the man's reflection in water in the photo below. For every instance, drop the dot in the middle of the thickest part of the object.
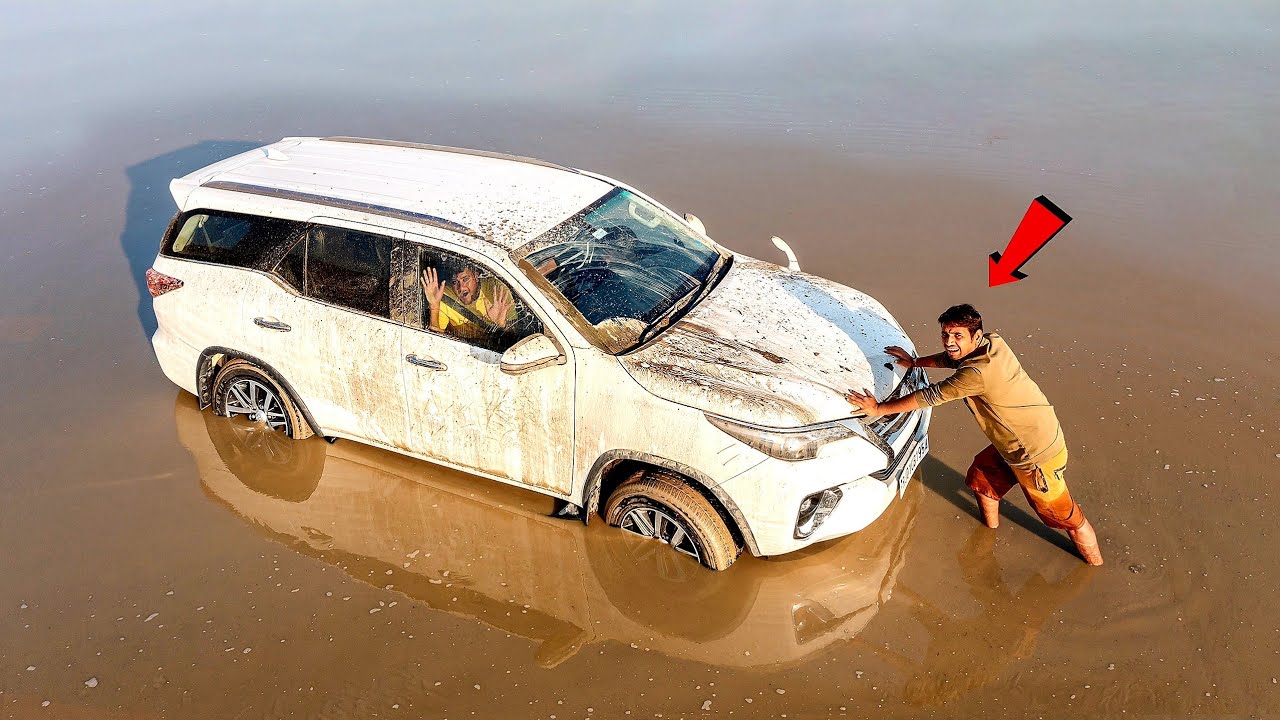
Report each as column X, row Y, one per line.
column 1004, row 632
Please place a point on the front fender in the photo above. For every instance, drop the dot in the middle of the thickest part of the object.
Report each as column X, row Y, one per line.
column 704, row 484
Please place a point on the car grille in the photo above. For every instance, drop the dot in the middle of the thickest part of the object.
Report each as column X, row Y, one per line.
column 887, row 427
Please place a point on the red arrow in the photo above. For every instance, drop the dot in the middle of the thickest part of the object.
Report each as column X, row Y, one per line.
column 1042, row 221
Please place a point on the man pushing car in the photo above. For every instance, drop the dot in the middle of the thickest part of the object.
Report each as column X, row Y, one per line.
column 1027, row 447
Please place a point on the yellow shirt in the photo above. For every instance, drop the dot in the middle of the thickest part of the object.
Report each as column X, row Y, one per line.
column 1010, row 408
column 490, row 290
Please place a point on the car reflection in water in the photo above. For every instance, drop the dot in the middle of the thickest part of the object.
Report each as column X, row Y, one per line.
column 494, row 553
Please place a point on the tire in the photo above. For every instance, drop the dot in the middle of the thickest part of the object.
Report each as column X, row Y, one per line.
column 660, row 505
column 242, row 388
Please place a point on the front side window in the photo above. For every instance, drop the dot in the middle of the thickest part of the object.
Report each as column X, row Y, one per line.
column 348, row 268
column 626, row 266
column 464, row 300
column 229, row 238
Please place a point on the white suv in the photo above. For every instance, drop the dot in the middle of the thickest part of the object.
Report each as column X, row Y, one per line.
column 537, row 325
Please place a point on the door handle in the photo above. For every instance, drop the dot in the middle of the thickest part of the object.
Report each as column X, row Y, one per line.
column 271, row 324
column 425, row 362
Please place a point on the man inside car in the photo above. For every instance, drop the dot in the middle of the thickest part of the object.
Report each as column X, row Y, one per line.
column 467, row 305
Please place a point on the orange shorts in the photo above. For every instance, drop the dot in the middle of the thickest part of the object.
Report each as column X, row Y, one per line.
column 1043, row 484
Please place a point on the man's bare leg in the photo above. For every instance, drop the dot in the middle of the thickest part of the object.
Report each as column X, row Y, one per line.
column 1086, row 543
column 990, row 508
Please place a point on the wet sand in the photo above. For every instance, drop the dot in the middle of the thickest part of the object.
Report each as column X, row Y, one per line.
column 189, row 567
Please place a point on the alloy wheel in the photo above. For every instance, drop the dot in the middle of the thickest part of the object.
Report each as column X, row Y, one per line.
column 248, row 397
column 653, row 523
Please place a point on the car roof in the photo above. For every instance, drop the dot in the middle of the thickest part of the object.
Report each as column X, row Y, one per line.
column 505, row 199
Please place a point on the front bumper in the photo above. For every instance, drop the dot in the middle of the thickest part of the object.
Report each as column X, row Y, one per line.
column 769, row 495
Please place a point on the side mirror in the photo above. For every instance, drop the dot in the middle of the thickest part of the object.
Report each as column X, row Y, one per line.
column 531, row 353
column 696, row 224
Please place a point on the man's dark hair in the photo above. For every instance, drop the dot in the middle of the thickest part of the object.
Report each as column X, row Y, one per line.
column 463, row 266
column 448, row 267
column 964, row 316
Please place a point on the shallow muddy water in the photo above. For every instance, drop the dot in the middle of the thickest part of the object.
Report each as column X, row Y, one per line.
column 162, row 562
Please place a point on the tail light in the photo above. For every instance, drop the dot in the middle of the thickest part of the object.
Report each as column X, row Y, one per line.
column 159, row 283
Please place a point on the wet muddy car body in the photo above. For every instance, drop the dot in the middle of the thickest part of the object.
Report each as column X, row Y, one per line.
column 537, row 325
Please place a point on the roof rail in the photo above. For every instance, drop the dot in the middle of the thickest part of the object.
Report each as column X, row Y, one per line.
column 344, row 204
column 446, row 148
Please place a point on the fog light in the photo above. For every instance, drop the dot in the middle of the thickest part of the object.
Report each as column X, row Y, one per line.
column 814, row 511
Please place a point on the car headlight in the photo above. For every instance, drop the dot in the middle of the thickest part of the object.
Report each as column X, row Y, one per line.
column 785, row 444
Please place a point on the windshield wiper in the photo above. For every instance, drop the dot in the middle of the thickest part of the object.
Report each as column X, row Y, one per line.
column 688, row 301
column 718, row 271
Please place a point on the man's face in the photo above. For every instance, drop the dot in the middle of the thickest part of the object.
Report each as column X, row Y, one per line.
column 466, row 285
column 958, row 342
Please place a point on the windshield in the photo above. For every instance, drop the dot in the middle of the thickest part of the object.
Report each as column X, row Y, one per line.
column 625, row 265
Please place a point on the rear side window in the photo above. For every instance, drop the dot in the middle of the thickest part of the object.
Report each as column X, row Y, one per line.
column 348, row 268
column 292, row 267
column 229, row 239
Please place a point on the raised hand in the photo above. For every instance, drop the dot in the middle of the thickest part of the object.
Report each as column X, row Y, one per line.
column 432, row 287
column 502, row 303
column 900, row 356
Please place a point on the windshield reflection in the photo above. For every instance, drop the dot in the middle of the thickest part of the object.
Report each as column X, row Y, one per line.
column 491, row 552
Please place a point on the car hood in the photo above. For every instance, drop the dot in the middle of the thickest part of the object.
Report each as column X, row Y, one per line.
column 774, row 348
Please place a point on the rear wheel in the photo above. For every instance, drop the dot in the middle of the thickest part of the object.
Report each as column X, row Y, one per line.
column 660, row 506
column 242, row 388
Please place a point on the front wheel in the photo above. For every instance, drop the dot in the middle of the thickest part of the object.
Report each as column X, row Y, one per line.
column 242, row 388
column 657, row 505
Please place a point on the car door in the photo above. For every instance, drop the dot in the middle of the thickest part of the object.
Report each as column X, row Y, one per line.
column 329, row 322
column 276, row 324
column 228, row 250
column 465, row 411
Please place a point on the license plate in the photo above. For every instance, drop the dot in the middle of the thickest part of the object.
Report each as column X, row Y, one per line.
column 912, row 462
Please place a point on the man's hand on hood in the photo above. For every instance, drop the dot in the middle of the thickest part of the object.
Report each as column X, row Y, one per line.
column 867, row 403
column 864, row 401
